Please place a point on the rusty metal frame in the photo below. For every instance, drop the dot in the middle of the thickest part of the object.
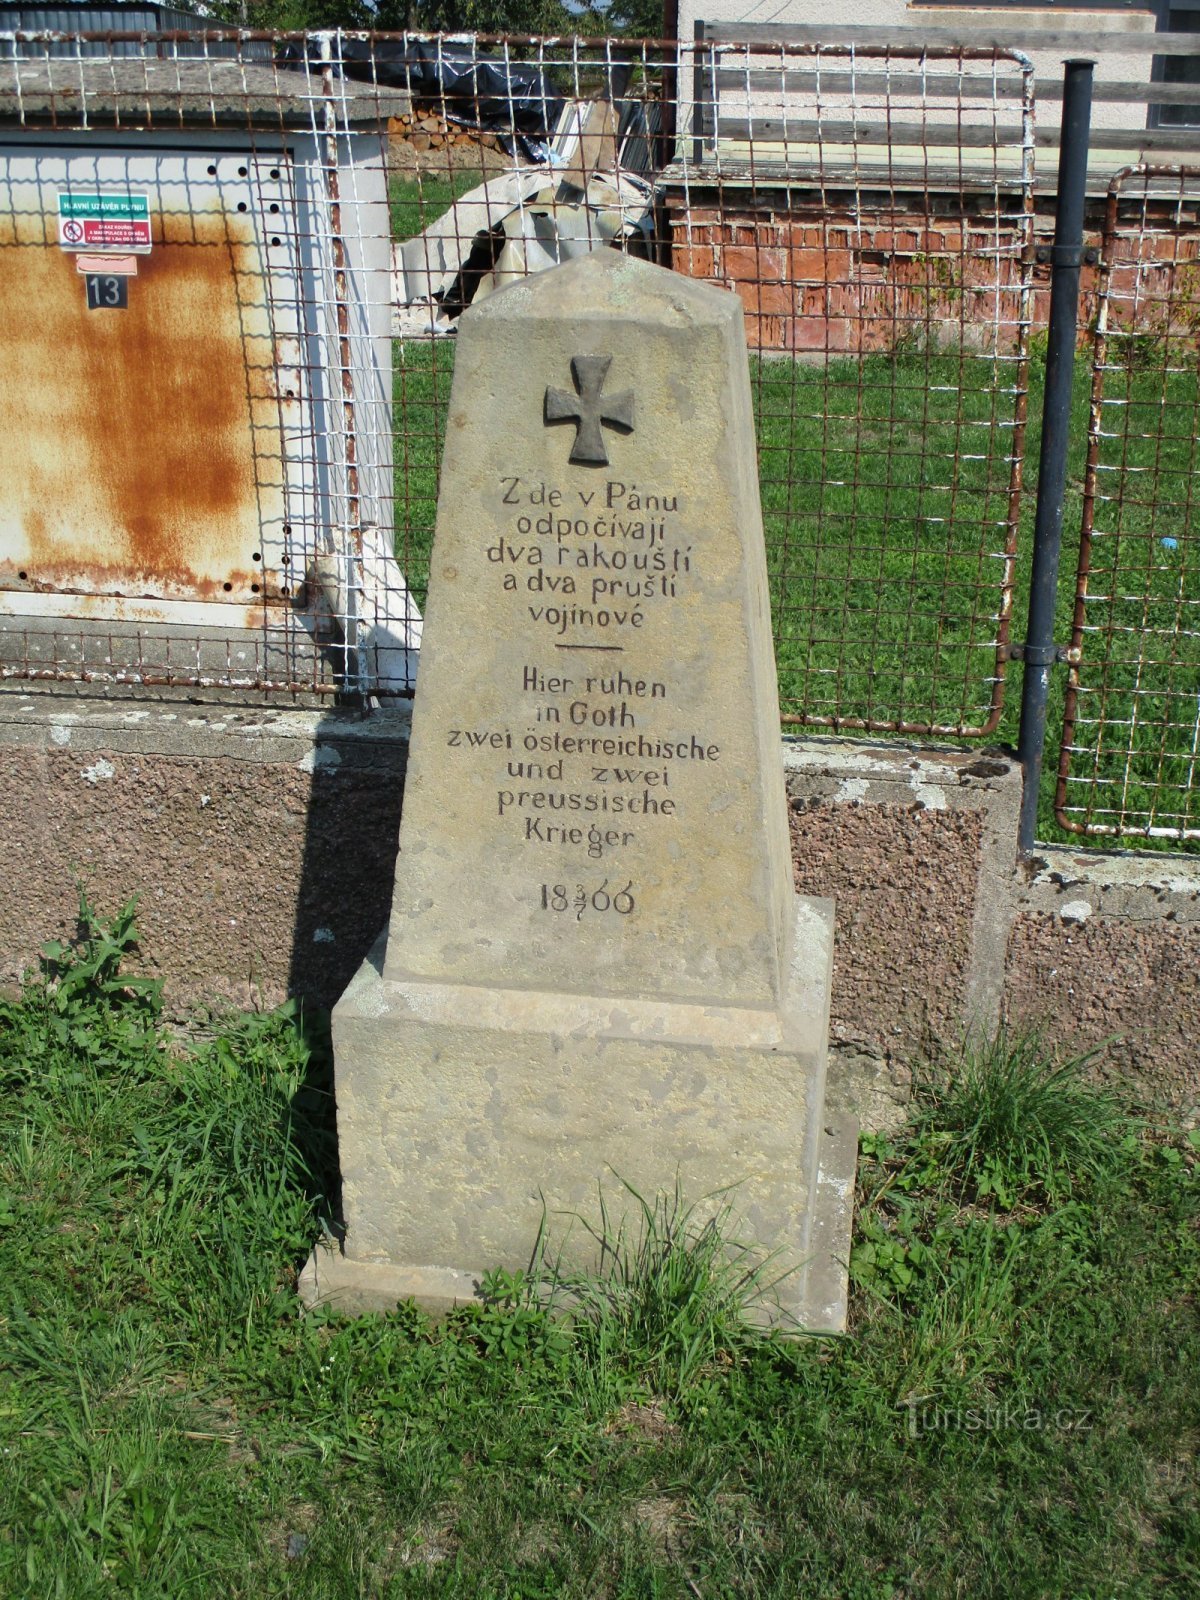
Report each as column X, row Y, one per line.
column 355, row 680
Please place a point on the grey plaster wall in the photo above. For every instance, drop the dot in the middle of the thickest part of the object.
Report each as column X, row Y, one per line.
column 1105, row 951
column 262, row 843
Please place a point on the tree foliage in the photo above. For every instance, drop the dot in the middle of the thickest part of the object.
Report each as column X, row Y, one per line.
column 633, row 18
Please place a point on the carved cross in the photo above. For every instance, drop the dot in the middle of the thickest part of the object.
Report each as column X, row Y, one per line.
column 588, row 408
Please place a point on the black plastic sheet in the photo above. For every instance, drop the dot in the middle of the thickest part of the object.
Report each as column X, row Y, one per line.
column 508, row 98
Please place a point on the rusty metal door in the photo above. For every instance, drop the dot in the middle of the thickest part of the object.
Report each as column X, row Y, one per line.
column 143, row 447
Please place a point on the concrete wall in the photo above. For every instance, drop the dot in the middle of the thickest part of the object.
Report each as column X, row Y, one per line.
column 262, row 844
column 940, row 926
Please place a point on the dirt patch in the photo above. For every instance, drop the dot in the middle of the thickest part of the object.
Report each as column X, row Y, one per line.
column 426, row 1546
column 664, row 1520
column 645, row 1420
column 290, row 1537
column 470, row 152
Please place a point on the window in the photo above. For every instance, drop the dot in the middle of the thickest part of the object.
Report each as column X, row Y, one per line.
column 1177, row 69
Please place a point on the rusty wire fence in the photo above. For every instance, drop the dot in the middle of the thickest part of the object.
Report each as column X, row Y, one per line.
column 233, row 265
column 874, row 209
column 1131, row 732
column 330, row 212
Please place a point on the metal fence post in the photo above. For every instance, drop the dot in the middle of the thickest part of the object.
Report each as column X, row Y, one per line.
column 1038, row 652
column 355, row 683
column 697, row 93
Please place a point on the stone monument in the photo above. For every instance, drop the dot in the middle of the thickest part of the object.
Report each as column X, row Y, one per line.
column 596, row 962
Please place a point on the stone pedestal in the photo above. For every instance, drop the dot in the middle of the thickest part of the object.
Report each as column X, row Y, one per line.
column 596, row 967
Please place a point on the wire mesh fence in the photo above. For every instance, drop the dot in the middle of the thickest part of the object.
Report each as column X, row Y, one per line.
column 232, row 267
column 874, row 209
column 887, row 296
column 197, row 439
column 486, row 191
column 1131, row 735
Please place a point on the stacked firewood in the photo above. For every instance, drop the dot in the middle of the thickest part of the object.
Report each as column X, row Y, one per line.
column 425, row 130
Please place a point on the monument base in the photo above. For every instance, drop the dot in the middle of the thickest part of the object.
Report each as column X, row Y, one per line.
column 469, row 1117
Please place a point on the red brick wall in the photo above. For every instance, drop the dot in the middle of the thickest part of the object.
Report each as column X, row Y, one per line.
column 848, row 283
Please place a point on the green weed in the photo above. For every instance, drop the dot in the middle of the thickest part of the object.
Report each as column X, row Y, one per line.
column 85, row 977
column 1007, row 1122
column 671, row 1288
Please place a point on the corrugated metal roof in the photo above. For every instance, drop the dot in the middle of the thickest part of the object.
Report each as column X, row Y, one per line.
column 185, row 93
column 84, row 18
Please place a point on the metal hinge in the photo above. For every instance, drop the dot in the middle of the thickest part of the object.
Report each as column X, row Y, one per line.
column 1036, row 655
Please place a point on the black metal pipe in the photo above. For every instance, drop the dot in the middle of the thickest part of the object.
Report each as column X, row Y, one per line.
column 1067, row 258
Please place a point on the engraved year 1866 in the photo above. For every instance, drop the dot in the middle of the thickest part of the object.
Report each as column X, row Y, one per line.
column 559, row 897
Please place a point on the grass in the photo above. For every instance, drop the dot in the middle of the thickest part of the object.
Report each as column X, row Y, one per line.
column 672, row 1282
column 1009, row 1119
column 418, row 200
column 1015, row 1412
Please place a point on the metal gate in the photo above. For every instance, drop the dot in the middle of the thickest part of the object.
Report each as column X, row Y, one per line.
column 196, row 446
column 875, row 209
column 1131, row 730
